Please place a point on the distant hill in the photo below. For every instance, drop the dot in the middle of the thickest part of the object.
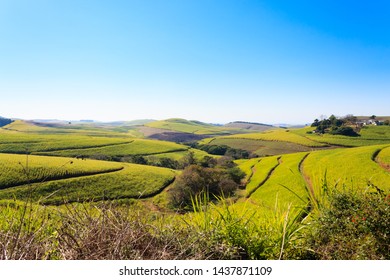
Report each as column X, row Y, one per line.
column 249, row 125
column 130, row 123
column 186, row 126
column 378, row 118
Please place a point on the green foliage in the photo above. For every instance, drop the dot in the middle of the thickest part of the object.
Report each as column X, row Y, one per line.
column 224, row 150
column 196, row 180
column 346, row 130
column 355, row 225
column 4, row 121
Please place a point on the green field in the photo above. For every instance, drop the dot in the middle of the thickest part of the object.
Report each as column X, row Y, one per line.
column 261, row 147
column 135, row 147
column 348, row 168
column 370, row 135
column 260, row 172
column 283, row 185
column 194, row 127
column 17, row 170
column 132, row 181
column 50, row 166
column 384, row 157
column 279, row 135
column 47, row 144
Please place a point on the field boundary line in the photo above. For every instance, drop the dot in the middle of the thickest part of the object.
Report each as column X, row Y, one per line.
column 279, row 141
column 305, row 178
column 265, row 179
column 252, row 172
column 374, row 158
column 86, row 147
column 59, row 178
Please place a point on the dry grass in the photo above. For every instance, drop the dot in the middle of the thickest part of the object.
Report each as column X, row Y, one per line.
column 104, row 232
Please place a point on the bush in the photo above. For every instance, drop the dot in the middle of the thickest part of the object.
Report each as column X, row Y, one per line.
column 196, row 180
column 344, row 130
column 353, row 226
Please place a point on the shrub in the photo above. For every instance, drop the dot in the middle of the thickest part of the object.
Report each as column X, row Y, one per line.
column 344, row 130
column 196, row 180
column 353, row 226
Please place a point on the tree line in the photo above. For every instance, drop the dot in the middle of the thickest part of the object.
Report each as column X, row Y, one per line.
column 4, row 121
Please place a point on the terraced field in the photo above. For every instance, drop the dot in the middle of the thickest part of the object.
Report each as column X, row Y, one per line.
column 278, row 135
column 383, row 158
column 47, row 144
column 261, row 147
column 135, row 147
column 131, row 181
column 351, row 168
column 284, row 185
column 261, row 172
column 198, row 154
column 17, row 170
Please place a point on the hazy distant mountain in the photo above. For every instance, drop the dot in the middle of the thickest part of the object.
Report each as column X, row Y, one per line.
column 249, row 125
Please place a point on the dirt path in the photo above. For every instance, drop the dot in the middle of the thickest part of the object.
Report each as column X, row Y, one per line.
column 253, row 170
column 308, row 183
column 266, row 178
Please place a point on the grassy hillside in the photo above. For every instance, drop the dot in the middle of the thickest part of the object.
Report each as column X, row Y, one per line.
column 135, row 147
column 351, row 168
column 263, row 218
column 17, row 170
column 283, row 185
column 249, row 126
column 132, row 181
column 260, row 147
column 278, row 135
column 370, row 135
column 383, row 158
column 261, row 172
column 182, row 125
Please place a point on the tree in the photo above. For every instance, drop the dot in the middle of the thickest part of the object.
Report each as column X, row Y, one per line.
column 196, row 180
column 345, row 130
column 373, row 117
column 315, row 123
column 188, row 159
column 350, row 119
column 4, row 121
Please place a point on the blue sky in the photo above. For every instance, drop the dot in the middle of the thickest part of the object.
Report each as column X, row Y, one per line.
column 214, row 61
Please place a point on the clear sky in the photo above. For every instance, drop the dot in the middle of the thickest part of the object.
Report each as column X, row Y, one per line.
column 214, row 61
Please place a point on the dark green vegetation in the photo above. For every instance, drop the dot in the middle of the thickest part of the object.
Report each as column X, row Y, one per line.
column 67, row 190
column 4, row 121
column 336, row 126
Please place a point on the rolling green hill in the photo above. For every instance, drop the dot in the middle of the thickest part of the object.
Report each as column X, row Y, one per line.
column 265, row 215
column 195, row 127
